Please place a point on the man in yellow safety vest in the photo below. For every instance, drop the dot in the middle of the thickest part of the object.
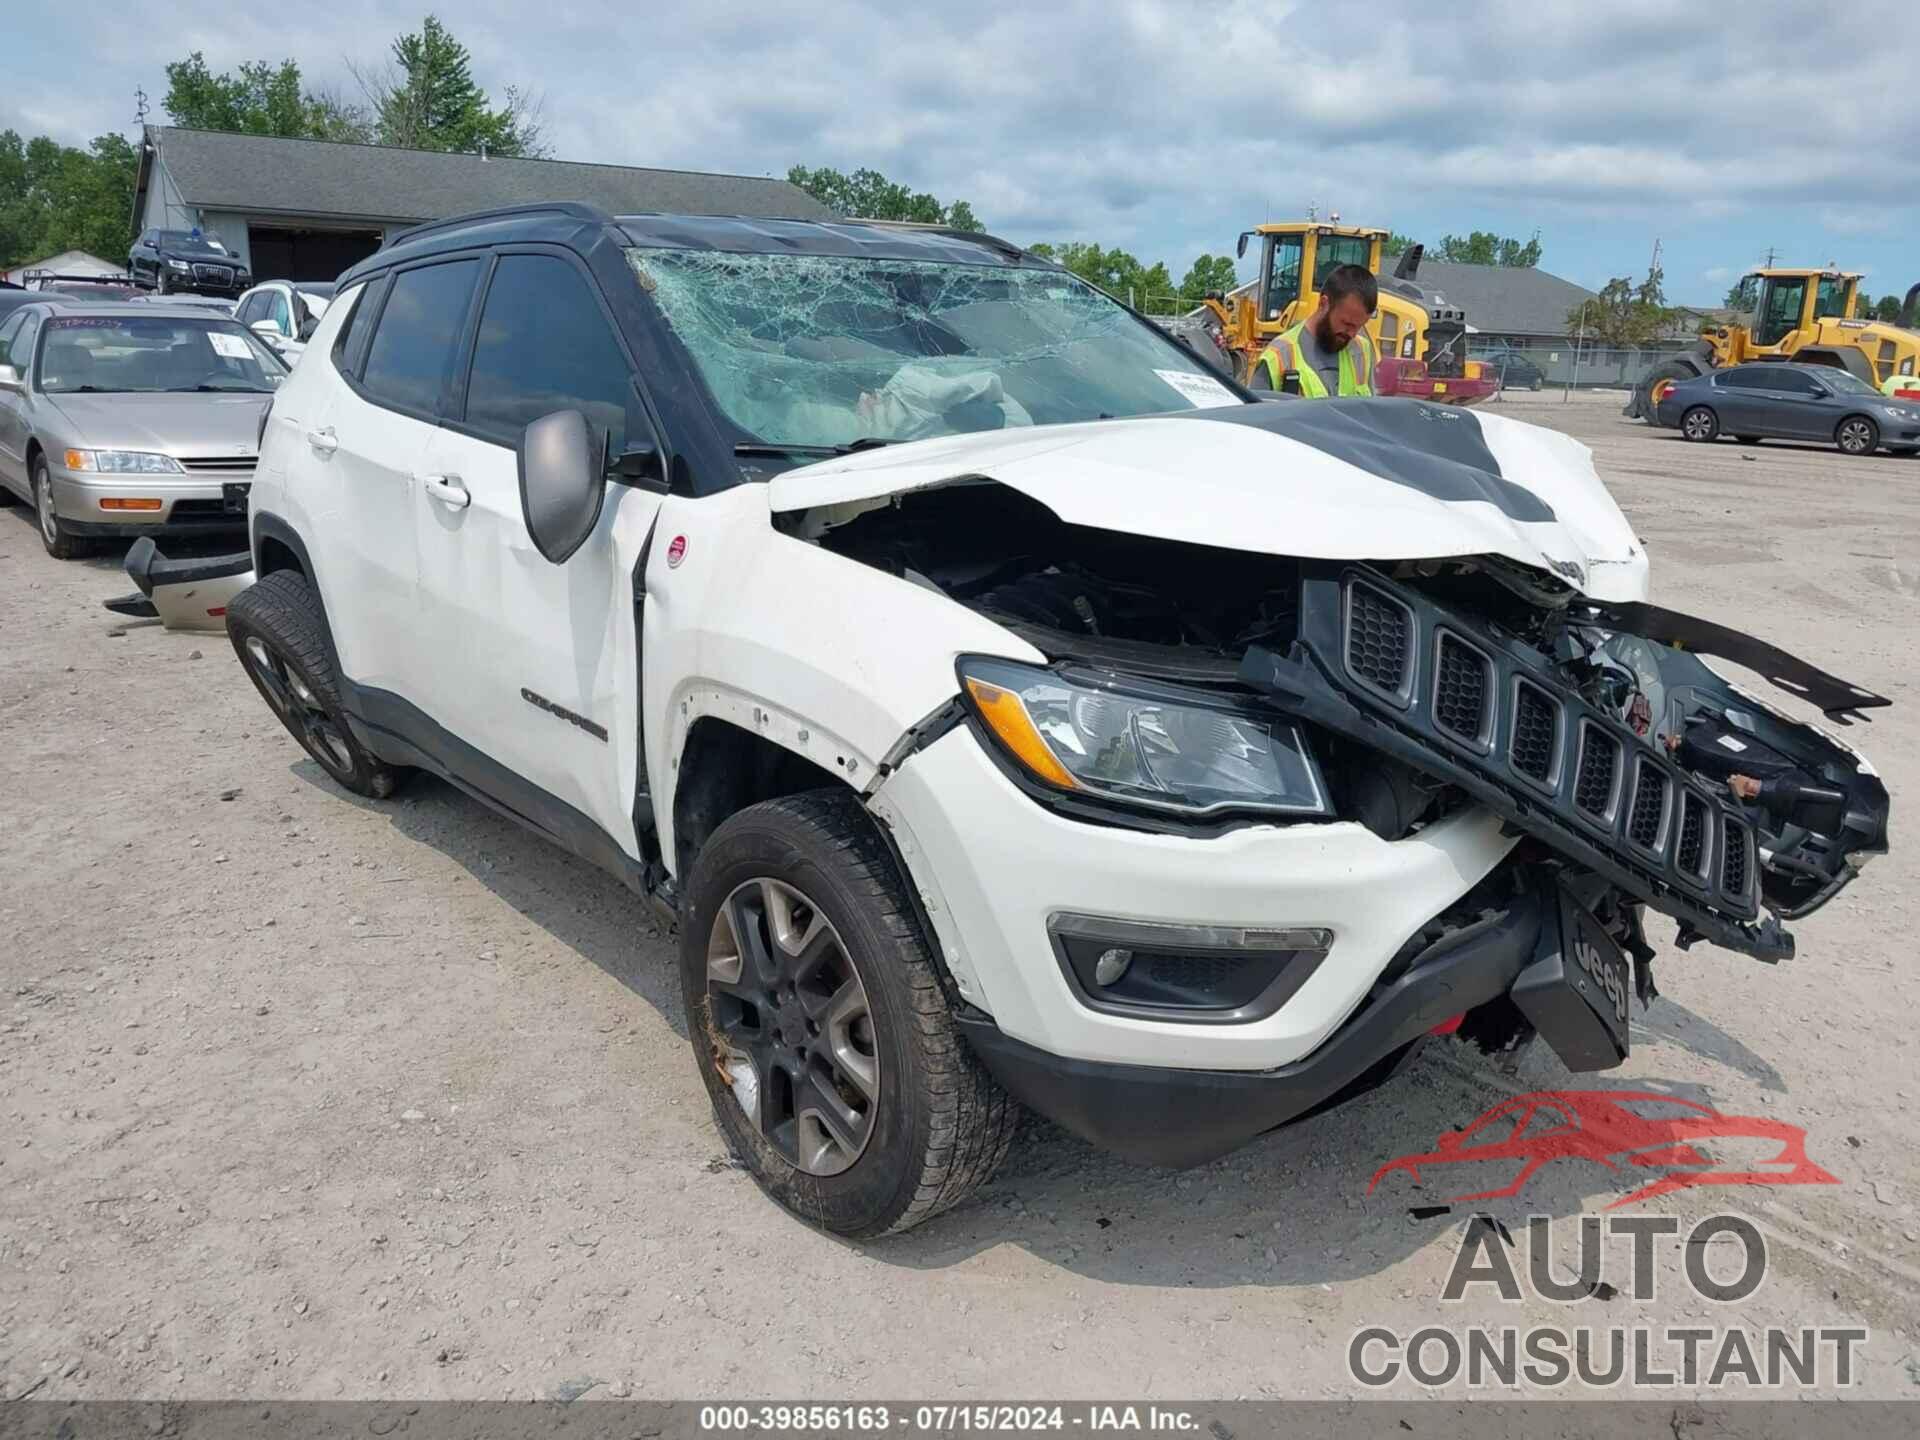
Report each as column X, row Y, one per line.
column 1329, row 350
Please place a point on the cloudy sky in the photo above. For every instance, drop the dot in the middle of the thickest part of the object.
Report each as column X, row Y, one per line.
column 1722, row 131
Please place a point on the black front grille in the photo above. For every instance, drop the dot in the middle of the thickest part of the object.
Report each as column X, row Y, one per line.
column 1691, row 856
column 1462, row 692
column 220, row 464
column 213, row 274
column 1536, row 732
column 1379, row 639
column 1733, row 859
column 1649, row 807
column 1594, row 776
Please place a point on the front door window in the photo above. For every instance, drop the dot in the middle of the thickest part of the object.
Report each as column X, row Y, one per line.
column 1283, row 275
column 1780, row 309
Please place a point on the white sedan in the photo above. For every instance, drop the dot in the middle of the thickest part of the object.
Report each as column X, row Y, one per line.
column 285, row 312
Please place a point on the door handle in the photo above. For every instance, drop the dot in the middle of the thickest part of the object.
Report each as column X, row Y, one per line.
column 448, row 490
column 322, row 441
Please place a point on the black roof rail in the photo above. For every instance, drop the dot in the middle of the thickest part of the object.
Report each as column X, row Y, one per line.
column 573, row 209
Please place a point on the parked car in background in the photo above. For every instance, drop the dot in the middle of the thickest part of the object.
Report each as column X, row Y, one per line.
column 171, row 260
column 84, row 287
column 121, row 420
column 1779, row 401
column 12, row 297
column 285, row 312
column 1515, row 369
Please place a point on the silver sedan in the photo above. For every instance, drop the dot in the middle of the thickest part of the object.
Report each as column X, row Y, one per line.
column 119, row 420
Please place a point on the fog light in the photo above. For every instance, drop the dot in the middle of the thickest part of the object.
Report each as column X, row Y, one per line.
column 1111, row 965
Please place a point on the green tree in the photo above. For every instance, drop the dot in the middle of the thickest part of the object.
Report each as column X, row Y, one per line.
column 56, row 197
column 1148, row 288
column 1397, row 244
column 1624, row 314
column 1483, row 247
column 258, row 99
column 1887, row 308
column 1209, row 273
column 868, row 195
column 425, row 98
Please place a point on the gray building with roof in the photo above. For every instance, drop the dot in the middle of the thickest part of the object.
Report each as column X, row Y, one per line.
column 307, row 209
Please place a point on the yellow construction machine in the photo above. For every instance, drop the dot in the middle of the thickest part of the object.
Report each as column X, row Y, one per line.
column 1803, row 315
column 1420, row 340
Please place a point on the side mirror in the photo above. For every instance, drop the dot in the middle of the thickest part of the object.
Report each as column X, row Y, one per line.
column 563, row 481
column 1240, row 250
column 10, row 379
column 265, row 328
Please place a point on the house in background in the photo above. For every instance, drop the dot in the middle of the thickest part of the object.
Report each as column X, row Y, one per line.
column 67, row 262
column 1518, row 307
column 308, row 209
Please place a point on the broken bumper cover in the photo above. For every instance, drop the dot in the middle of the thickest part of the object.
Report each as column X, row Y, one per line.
column 1158, row 1116
column 1388, row 668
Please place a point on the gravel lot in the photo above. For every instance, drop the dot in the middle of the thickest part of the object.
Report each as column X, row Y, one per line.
column 305, row 1096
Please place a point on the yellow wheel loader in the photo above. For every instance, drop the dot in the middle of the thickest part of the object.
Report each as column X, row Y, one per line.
column 1803, row 315
column 1420, row 340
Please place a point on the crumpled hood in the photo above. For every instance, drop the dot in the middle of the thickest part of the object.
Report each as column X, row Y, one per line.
column 196, row 424
column 1363, row 479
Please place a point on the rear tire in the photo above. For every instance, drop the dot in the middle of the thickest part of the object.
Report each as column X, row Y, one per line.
column 796, row 914
column 280, row 634
column 1700, row 424
column 1857, row 435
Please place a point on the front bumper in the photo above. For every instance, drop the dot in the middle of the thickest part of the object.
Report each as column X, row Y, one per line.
column 994, row 869
column 187, row 503
column 1176, row 1117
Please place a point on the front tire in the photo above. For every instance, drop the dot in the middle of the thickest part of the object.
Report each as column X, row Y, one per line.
column 1857, row 435
column 280, row 634
column 61, row 543
column 1642, row 404
column 1700, row 424
column 820, row 1028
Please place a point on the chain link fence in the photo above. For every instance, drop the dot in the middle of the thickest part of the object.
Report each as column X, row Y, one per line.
column 1554, row 366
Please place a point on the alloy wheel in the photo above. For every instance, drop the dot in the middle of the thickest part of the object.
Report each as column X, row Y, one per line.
column 1856, row 437
column 792, row 1033
column 43, row 502
column 295, row 703
column 1698, row 425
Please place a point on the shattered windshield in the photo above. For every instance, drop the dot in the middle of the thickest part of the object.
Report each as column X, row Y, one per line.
column 816, row 352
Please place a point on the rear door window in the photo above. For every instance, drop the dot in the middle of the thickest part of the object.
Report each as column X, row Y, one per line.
column 419, row 332
column 1793, row 382
column 544, row 344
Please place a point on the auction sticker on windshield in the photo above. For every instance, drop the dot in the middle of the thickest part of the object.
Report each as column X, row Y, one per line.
column 1201, row 390
column 233, row 347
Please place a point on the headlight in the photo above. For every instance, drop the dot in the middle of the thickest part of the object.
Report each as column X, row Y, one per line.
column 178, row 265
column 1900, row 412
column 1140, row 748
column 123, row 462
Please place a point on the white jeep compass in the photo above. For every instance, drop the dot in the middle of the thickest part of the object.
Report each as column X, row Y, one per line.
column 1004, row 705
